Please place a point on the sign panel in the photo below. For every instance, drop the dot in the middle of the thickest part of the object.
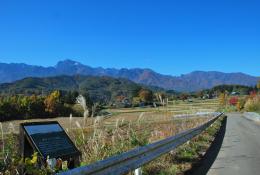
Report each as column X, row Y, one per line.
column 50, row 139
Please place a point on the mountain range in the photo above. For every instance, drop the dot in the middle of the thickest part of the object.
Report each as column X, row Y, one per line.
column 193, row 81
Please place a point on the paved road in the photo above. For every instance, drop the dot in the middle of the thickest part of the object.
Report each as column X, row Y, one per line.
column 240, row 151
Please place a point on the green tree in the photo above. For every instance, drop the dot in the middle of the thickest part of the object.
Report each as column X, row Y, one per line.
column 9, row 110
column 69, row 97
column 136, row 101
column 36, row 106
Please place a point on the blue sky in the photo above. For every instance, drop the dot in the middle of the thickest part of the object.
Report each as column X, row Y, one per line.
column 171, row 37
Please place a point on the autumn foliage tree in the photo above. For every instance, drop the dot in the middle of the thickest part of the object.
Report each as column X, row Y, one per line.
column 21, row 107
column 241, row 103
column 146, row 95
column 233, row 101
column 199, row 94
column 18, row 107
column 52, row 102
column 223, row 98
column 258, row 85
column 184, row 96
column 252, row 94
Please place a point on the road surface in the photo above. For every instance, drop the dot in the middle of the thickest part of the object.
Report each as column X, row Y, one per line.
column 240, row 151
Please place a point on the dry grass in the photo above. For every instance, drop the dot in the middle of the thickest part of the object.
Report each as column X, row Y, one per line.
column 125, row 129
column 102, row 141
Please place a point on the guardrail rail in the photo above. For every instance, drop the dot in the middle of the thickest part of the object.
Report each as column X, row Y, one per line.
column 134, row 159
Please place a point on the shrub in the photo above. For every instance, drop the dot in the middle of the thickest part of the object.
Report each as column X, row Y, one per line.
column 253, row 104
column 241, row 103
column 252, row 94
column 223, row 99
column 233, row 101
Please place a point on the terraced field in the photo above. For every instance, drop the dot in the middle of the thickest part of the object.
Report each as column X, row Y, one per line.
column 147, row 114
column 162, row 113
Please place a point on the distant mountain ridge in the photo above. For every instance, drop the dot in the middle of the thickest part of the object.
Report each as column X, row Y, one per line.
column 193, row 81
column 101, row 88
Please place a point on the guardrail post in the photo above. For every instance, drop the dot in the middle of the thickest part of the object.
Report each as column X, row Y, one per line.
column 138, row 171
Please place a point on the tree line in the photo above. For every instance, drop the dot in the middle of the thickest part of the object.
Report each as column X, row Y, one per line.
column 55, row 104
column 58, row 104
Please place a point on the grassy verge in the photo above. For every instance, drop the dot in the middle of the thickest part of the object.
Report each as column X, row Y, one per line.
column 181, row 160
column 102, row 141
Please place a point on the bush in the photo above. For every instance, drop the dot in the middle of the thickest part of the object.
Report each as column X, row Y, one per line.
column 233, row 101
column 241, row 103
column 253, row 104
column 228, row 108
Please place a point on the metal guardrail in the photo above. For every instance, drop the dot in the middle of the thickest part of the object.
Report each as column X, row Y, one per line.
column 133, row 159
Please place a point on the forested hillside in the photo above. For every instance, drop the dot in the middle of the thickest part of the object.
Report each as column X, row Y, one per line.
column 99, row 88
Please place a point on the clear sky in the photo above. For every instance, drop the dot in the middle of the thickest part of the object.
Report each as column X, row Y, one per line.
column 171, row 37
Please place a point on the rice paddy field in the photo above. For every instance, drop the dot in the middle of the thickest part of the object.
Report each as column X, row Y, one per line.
column 126, row 128
column 152, row 114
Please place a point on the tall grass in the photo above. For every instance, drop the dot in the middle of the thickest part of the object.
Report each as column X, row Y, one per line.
column 82, row 101
column 253, row 104
column 102, row 139
column 2, row 138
